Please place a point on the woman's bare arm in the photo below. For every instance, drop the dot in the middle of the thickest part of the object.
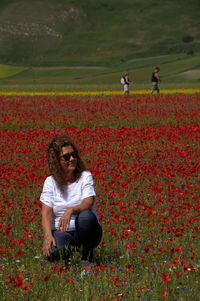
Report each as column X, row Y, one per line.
column 65, row 219
column 49, row 241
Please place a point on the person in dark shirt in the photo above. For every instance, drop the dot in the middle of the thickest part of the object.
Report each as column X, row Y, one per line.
column 155, row 79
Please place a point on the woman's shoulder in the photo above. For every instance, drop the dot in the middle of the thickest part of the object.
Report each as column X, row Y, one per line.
column 50, row 180
column 86, row 172
column 85, row 175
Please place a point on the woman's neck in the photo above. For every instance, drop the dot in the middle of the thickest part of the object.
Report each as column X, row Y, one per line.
column 70, row 178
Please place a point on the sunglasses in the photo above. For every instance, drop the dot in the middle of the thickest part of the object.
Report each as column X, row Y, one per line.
column 67, row 156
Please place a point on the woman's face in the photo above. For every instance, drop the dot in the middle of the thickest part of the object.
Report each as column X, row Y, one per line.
column 68, row 159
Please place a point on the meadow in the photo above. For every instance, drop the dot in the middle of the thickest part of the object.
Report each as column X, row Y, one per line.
column 178, row 71
column 143, row 152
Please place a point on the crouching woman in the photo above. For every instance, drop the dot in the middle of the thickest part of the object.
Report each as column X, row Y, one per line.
column 68, row 203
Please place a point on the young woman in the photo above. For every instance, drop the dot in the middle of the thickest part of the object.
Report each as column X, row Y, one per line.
column 68, row 203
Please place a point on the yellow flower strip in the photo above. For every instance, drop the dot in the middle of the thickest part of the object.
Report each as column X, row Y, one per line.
column 96, row 93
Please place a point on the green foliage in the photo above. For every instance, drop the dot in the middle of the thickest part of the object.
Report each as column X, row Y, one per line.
column 187, row 38
column 92, row 32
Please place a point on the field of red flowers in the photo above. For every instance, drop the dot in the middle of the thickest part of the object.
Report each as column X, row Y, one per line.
column 144, row 155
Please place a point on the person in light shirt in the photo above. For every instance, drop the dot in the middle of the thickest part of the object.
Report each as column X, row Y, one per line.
column 68, row 203
column 127, row 82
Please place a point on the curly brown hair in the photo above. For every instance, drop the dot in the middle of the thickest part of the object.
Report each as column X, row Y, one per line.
column 54, row 151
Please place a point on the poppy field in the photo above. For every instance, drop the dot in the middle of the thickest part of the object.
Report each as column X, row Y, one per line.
column 143, row 152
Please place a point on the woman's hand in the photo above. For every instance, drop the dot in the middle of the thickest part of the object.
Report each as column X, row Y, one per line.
column 47, row 244
column 65, row 220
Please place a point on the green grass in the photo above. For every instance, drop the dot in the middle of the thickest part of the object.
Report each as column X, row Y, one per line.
column 89, row 44
column 92, row 32
column 7, row 71
column 177, row 71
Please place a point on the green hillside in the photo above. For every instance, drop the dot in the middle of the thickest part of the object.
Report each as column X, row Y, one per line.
column 96, row 32
column 177, row 70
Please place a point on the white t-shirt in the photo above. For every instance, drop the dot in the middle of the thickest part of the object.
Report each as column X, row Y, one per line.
column 70, row 196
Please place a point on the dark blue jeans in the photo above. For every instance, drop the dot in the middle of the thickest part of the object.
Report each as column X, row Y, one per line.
column 88, row 234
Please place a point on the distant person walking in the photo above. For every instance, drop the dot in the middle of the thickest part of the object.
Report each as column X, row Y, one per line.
column 126, row 82
column 155, row 79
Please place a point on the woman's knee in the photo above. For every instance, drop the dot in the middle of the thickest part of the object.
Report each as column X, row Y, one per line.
column 88, row 228
column 86, row 218
column 86, row 214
